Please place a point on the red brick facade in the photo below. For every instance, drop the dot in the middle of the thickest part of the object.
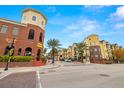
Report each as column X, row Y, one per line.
column 22, row 40
column 95, row 54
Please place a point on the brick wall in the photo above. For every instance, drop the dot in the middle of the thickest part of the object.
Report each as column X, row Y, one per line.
column 22, row 40
column 17, row 64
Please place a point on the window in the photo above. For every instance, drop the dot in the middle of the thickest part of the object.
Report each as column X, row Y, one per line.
column 4, row 29
column 96, row 55
column 34, row 18
column 42, row 23
column 95, row 49
column 40, row 37
column 24, row 17
column 94, row 43
column 19, row 51
column 15, row 31
column 31, row 34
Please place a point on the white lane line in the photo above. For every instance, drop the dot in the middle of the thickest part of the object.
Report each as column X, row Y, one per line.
column 4, row 75
column 39, row 80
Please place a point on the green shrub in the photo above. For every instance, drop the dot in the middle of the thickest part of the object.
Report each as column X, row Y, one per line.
column 44, row 59
column 16, row 58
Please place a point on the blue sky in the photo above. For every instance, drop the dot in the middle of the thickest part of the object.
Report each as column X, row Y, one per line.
column 71, row 24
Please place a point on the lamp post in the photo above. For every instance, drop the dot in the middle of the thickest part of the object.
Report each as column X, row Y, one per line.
column 11, row 52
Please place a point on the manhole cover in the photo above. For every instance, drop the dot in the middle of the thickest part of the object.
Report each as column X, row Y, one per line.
column 104, row 75
column 52, row 70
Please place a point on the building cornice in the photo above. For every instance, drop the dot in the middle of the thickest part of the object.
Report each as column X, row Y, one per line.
column 13, row 22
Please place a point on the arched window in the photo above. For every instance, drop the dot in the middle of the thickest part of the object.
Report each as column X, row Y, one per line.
column 34, row 18
column 31, row 34
column 42, row 23
column 19, row 51
column 40, row 37
column 28, row 51
column 38, row 54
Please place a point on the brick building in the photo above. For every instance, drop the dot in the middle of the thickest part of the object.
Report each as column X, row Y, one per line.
column 28, row 35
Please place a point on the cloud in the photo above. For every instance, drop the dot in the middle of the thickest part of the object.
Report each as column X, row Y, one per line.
column 116, row 19
column 94, row 6
column 119, row 25
column 51, row 9
column 81, row 28
column 59, row 19
column 76, row 34
column 119, row 14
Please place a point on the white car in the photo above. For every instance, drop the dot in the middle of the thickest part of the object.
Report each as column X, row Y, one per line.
column 68, row 60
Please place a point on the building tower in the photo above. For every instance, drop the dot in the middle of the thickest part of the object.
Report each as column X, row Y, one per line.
column 30, row 16
column 36, row 22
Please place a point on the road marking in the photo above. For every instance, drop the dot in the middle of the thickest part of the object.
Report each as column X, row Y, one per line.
column 39, row 79
column 4, row 75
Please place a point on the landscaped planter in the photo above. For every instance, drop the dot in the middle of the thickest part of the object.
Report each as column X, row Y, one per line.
column 38, row 63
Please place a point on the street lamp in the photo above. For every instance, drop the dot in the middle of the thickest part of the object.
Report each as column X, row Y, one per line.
column 11, row 53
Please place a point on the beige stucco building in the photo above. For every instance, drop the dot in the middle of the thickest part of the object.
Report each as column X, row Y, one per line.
column 28, row 17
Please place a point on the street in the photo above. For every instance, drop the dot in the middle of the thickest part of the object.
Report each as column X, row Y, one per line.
column 87, row 76
column 67, row 75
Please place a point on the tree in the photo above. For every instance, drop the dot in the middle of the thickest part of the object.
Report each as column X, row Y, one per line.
column 81, row 47
column 44, row 56
column 118, row 54
column 53, row 44
column 44, row 51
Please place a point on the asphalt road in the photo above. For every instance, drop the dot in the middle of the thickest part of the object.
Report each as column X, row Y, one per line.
column 86, row 76
column 19, row 80
column 68, row 76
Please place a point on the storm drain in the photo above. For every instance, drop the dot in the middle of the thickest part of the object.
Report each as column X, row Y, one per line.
column 104, row 75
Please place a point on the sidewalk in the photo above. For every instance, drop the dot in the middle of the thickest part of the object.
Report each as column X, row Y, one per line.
column 48, row 66
column 24, row 69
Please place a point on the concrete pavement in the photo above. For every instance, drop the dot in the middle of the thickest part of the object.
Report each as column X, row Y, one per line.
column 88, row 76
column 65, row 75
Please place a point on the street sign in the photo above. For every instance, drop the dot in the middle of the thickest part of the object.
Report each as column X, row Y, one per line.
column 39, row 45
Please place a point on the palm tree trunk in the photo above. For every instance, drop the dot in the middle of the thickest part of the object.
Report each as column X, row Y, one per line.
column 53, row 58
column 82, row 59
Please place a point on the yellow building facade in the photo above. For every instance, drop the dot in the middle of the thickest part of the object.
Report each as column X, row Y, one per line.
column 92, row 40
column 96, row 50
column 104, row 51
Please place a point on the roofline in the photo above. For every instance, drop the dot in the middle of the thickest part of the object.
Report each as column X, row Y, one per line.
column 29, row 9
column 12, row 22
column 89, row 36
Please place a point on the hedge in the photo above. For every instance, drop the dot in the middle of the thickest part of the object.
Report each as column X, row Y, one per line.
column 16, row 58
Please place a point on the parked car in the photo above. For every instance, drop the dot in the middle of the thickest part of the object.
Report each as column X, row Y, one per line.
column 108, row 62
column 68, row 60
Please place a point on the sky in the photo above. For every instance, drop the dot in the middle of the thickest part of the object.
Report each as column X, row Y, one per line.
column 71, row 24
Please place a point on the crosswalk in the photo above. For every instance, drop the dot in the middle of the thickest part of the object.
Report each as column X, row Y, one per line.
column 4, row 74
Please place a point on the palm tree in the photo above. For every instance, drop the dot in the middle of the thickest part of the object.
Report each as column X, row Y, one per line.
column 81, row 47
column 44, row 51
column 53, row 44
